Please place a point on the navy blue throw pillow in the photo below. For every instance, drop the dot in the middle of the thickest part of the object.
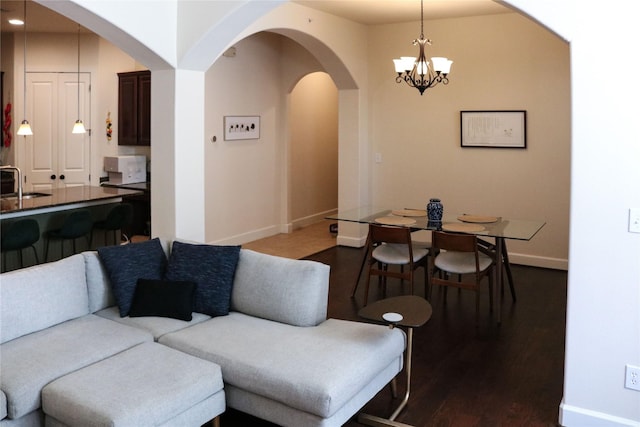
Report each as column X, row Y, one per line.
column 212, row 268
column 163, row 298
column 125, row 264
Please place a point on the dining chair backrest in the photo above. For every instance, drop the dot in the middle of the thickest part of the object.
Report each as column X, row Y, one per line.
column 391, row 245
column 388, row 234
column 454, row 242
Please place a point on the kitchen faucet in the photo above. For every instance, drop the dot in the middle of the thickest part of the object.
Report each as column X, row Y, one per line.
column 17, row 169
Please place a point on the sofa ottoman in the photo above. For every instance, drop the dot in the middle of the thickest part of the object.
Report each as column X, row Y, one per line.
column 147, row 385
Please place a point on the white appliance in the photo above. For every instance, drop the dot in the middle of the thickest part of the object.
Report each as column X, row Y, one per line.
column 126, row 169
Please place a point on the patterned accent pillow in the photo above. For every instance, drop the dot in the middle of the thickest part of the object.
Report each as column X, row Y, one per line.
column 211, row 267
column 125, row 264
column 163, row 298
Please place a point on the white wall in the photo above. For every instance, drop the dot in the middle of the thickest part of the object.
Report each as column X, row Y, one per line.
column 247, row 181
column 243, row 177
column 603, row 307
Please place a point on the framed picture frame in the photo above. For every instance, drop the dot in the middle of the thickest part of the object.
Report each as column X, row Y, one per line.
column 493, row 129
column 241, row 127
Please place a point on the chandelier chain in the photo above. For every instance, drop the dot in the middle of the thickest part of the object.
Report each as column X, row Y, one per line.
column 422, row 19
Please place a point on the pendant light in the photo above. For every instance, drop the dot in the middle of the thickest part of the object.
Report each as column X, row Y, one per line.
column 78, row 127
column 25, row 127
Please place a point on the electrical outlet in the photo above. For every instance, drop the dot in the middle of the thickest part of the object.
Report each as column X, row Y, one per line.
column 632, row 377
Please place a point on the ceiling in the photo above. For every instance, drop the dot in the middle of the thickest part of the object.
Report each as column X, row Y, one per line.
column 370, row 12
column 39, row 18
column 374, row 12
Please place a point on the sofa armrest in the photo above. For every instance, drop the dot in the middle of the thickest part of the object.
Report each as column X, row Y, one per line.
column 281, row 289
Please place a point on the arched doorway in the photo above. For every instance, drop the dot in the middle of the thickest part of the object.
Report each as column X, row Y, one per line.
column 313, row 157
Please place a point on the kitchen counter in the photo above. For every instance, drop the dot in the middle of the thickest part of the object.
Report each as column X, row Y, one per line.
column 63, row 199
column 143, row 186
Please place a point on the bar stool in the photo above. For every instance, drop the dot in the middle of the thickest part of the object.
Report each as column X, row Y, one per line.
column 77, row 224
column 119, row 217
column 19, row 235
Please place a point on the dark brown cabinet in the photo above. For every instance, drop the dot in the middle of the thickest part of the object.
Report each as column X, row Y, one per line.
column 134, row 108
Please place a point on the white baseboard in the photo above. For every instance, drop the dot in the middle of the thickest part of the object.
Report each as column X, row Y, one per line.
column 352, row 242
column 272, row 230
column 312, row 219
column 538, row 261
column 250, row 236
column 573, row 416
column 514, row 258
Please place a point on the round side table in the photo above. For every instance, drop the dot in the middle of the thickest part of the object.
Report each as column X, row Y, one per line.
column 409, row 311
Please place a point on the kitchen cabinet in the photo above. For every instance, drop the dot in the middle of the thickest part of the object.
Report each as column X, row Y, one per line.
column 134, row 108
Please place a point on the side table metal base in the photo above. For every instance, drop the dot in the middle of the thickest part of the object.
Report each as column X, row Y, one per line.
column 371, row 420
column 374, row 421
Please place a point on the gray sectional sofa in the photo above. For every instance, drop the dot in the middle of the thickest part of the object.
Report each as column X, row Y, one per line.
column 280, row 359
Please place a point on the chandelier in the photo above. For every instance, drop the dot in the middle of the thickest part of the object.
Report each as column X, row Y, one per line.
column 417, row 72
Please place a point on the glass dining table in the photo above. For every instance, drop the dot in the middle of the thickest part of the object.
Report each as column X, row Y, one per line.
column 498, row 228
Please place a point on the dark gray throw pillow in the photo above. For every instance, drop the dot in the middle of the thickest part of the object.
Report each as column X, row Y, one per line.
column 163, row 298
column 125, row 264
column 212, row 268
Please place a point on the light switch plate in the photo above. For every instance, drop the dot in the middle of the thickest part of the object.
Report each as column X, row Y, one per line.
column 634, row 220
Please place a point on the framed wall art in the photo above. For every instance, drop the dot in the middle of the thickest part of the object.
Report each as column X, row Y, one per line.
column 493, row 129
column 241, row 127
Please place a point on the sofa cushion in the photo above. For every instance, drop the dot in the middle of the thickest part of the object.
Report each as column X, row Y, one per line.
column 163, row 298
column 32, row 361
column 314, row 369
column 281, row 289
column 100, row 292
column 211, row 267
column 156, row 326
column 3, row 405
column 125, row 264
column 44, row 295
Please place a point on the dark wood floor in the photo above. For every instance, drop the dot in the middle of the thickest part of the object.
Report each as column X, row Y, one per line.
column 463, row 374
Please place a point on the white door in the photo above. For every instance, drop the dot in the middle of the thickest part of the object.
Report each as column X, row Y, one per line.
column 55, row 157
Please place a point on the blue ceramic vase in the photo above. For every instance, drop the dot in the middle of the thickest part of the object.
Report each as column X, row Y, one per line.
column 434, row 210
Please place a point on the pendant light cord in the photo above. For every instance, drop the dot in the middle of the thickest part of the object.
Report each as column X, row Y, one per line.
column 78, row 71
column 24, row 64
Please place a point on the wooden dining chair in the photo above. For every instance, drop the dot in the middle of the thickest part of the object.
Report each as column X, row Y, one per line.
column 461, row 263
column 392, row 246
